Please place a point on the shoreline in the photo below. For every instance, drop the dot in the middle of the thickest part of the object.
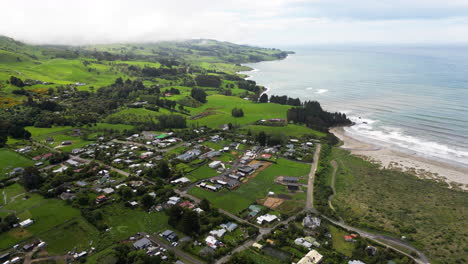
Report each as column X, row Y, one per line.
column 455, row 177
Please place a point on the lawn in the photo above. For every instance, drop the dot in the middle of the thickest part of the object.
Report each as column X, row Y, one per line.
column 429, row 214
column 338, row 242
column 202, row 172
column 259, row 258
column 107, row 126
column 256, row 188
column 77, row 142
column 10, row 160
column 132, row 116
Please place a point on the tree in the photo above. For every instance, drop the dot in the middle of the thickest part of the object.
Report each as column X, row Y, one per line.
column 10, row 220
column 205, row 205
column 190, row 222
column 16, row 81
column 263, row 98
column 262, row 138
column 147, row 201
column 208, row 80
column 125, row 192
column 237, row 112
column 31, row 178
column 198, row 94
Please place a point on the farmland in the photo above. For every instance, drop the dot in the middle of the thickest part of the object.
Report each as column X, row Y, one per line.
column 10, row 160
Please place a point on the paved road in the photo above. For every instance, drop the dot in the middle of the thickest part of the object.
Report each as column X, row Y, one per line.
column 387, row 241
column 313, row 169
column 185, row 256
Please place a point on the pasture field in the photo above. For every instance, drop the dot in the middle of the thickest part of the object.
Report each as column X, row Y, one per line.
column 77, row 233
column 290, row 130
column 47, row 213
column 39, row 131
column 131, row 116
column 217, row 111
column 201, row 173
column 9, row 160
column 126, row 222
column 256, row 188
column 107, row 126
column 403, row 205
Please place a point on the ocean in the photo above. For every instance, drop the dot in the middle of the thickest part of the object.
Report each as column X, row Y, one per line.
column 411, row 99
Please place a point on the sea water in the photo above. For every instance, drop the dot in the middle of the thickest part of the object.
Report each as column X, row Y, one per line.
column 413, row 99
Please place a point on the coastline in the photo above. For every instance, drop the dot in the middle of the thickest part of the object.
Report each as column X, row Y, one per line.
column 455, row 177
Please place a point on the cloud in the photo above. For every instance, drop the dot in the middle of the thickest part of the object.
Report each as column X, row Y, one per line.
column 262, row 22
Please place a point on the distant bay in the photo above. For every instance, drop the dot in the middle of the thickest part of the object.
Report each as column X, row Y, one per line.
column 412, row 99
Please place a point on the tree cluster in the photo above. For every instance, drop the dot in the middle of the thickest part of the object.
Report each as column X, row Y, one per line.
column 208, row 80
column 198, row 94
column 237, row 112
column 285, row 100
column 312, row 114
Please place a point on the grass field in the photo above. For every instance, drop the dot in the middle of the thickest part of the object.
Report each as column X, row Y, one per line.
column 202, row 172
column 126, row 222
column 260, row 258
column 132, row 116
column 429, row 214
column 257, row 187
column 107, row 126
column 289, row 130
column 10, row 160
column 219, row 107
column 37, row 131
column 77, row 233
column 47, row 213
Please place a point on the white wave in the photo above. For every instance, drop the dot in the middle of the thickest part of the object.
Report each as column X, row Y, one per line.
column 309, row 88
column 395, row 137
column 321, row 91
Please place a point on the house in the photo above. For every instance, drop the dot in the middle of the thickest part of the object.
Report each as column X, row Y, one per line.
column 146, row 155
column 246, row 169
column 311, row 222
column 28, row 247
column 313, row 257
column 173, row 200
column 108, row 191
column 81, row 183
column 17, row 171
column 268, row 218
column 229, row 226
column 26, row 223
column 266, row 156
column 187, row 204
column 101, row 199
column 47, row 155
column 170, row 235
column 67, row 196
column 257, row 245
column 212, row 242
column 215, row 164
column 218, row 233
column 49, row 139
column 254, row 210
column 189, row 155
column 142, row 243
column 37, row 158
column 60, row 170
column 356, row 262
column 181, row 180
column 302, row 242
column 73, row 163
column 133, row 203
column 348, row 238
column 293, row 187
column 77, row 151
column 66, row 143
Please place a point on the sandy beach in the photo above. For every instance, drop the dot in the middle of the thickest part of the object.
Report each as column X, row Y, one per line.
column 456, row 177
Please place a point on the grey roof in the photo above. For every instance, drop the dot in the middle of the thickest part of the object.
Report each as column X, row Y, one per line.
column 142, row 243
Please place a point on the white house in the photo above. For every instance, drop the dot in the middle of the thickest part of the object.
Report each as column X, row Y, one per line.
column 26, row 223
column 266, row 218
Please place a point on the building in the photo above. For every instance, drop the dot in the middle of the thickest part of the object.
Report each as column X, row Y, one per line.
column 268, row 218
column 170, row 235
column 26, row 223
column 101, row 199
column 142, row 243
column 229, row 226
column 313, row 257
column 246, row 169
column 212, row 242
column 218, row 233
column 311, row 222
column 215, row 164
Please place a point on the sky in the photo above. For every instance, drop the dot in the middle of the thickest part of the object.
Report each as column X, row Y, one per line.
column 255, row 22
